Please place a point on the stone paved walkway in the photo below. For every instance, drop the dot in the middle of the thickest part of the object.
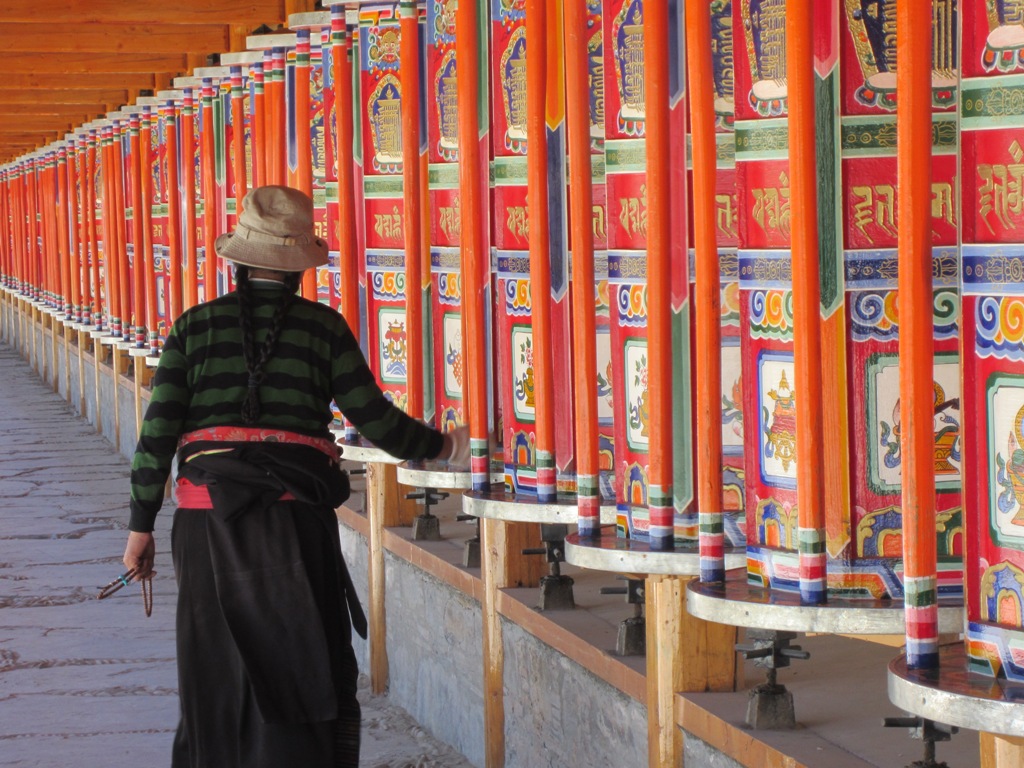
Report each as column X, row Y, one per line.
column 87, row 683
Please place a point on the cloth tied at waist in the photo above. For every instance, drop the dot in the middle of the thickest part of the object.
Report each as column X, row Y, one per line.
column 254, row 490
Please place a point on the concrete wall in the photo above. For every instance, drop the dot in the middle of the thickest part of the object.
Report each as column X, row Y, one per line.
column 699, row 754
column 435, row 656
column 559, row 714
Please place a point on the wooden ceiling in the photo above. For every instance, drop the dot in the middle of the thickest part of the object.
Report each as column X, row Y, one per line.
column 65, row 63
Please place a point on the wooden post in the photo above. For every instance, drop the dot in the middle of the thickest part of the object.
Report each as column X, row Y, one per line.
column 1001, row 751
column 917, row 357
column 806, row 302
column 385, row 509
column 683, row 654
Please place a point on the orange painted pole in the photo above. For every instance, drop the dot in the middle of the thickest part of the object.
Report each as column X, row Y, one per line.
column 540, row 264
column 35, row 254
column 21, row 221
column 917, row 355
column 65, row 253
column 188, row 187
column 659, row 314
column 111, row 264
column 211, row 205
column 806, row 302
column 6, row 266
column 89, row 184
column 343, row 103
column 74, row 243
column 581, row 212
column 257, row 125
column 168, row 111
column 270, row 137
column 409, row 58
column 708, row 297
column 302, row 176
column 475, row 256
column 348, row 261
column 279, row 134
column 146, row 258
column 121, row 229
column 139, row 244
column 47, row 203
column 238, row 137
column 81, row 188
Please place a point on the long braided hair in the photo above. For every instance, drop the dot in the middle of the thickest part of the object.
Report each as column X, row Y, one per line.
column 253, row 364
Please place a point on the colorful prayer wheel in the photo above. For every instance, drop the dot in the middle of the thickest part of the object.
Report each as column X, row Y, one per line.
column 445, row 216
column 383, row 204
column 993, row 364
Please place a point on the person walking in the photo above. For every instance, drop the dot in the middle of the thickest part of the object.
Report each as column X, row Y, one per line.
column 242, row 399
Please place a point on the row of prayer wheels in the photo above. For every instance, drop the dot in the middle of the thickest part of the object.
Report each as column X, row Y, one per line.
column 726, row 275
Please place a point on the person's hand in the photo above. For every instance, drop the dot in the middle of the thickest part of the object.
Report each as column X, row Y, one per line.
column 456, row 447
column 139, row 554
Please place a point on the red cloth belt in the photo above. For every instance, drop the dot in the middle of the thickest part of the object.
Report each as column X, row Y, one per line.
column 191, row 496
column 260, row 435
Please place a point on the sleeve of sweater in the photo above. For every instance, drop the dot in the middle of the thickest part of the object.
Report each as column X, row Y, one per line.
column 158, row 437
column 360, row 399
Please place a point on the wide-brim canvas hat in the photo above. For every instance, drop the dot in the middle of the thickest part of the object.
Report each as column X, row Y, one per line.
column 275, row 231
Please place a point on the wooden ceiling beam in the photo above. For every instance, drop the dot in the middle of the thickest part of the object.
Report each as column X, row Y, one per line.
column 42, row 108
column 254, row 12
column 113, row 38
column 62, row 63
column 84, row 83
column 32, row 124
column 43, row 99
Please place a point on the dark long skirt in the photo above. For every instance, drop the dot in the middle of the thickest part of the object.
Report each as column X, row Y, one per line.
column 221, row 724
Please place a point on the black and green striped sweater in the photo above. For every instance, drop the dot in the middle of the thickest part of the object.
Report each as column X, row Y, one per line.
column 201, row 382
